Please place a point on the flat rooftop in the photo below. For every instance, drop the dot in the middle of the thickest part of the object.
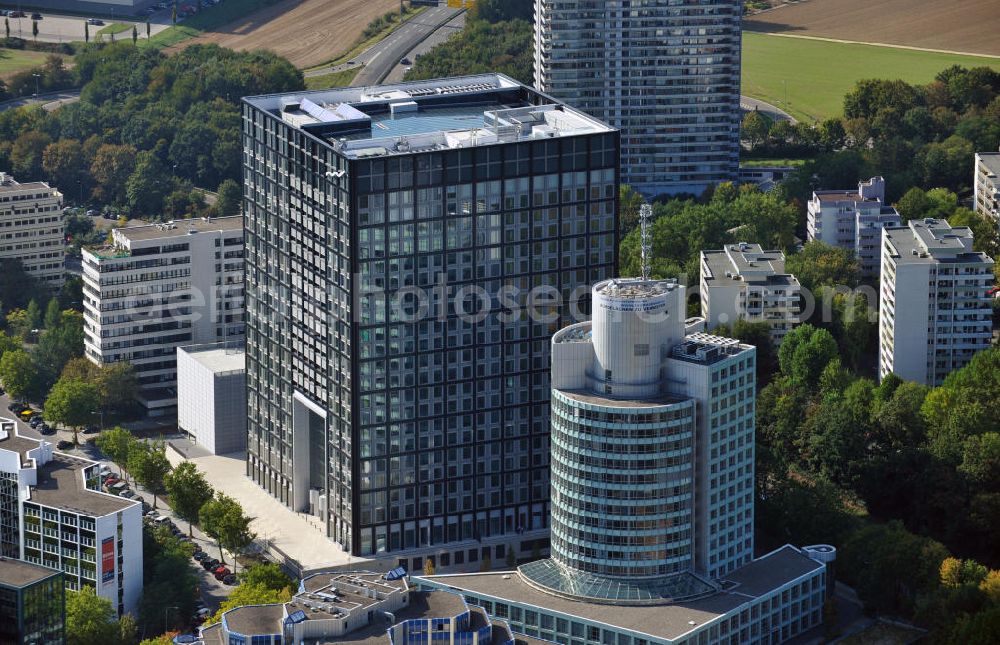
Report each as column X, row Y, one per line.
column 61, row 485
column 9, row 185
column 746, row 264
column 255, row 619
column 422, row 604
column 422, row 116
column 928, row 241
column 181, row 227
column 217, row 357
column 843, row 196
column 18, row 573
column 704, row 348
column 669, row 621
column 991, row 160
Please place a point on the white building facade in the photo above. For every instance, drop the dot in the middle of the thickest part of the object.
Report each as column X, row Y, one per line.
column 986, row 185
column 852, row 220
column 212, row 396
column 666, row 73
column 54, row 515
column 745, row 282
column 32, row 229
column 934, row 309
column 158, row 287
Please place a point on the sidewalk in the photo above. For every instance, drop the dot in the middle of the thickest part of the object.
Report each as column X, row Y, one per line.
column 298, row 535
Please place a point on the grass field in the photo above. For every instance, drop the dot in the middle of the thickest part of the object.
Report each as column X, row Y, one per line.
column 208, row 19
column 114, row 28
column 13, row 61
column 342, row 78
column 817, row 74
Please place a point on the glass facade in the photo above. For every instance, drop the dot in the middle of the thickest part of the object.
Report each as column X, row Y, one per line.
column 666, row 72
column 622, row 487
column 35, row 613
column 364, row 303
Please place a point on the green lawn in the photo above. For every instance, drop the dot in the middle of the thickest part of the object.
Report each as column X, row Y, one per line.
column 207, row 19
column 342, row 78
column 114, row 28
column 16, row 60
column 817, row 74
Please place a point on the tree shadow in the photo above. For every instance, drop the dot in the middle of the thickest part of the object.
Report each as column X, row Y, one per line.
column 760, row 26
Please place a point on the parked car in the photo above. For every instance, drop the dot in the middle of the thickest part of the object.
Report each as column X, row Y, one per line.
column 221, row 572
column 127, row 494
column 404, row 61
column 230, row 580
column 94, row 21
column 91, row 430
column 36, row 16
column 16, row 14
column 199, row 555
column 64, row 445
column 13, row 407
column 45, row 429
column 26, row 414
column 210, row 564
column 151, row 514
column 35, row 421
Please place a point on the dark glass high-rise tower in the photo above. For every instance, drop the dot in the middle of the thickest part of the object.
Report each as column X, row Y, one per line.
column 397, row 384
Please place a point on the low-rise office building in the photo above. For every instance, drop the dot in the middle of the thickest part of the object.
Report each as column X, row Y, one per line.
column 986, row 185
column 362, row 608
column 852, row 220
column 212, row 396
column 54, row 515
column 32, row 229
column 934, row 308
column 158, row 287
column 32, row 604
column 745, row 282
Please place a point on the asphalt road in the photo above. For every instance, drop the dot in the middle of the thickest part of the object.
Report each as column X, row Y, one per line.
column 49, row 101
column 438, row 36
column 748, row 104
column 379, row 59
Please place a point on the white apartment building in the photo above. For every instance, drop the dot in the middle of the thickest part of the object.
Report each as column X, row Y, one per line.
column 32, row 228
column 745, row 282
column 934, row 310
column 158, row 287
column 666, row 73
column 852, row 220
column 53, row 513
column 986, row 184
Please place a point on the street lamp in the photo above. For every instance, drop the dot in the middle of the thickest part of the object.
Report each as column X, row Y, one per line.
column 166, row 610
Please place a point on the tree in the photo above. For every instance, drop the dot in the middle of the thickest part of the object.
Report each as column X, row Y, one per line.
column 111, row 168
column 188, row 492
column 805, row 352
column 147, row 30
column 7, row 344
column 53, row 314
column 57, row 346
column 90, row 619
column 86, row 32
column 18, row 324
column 223, row 519
column 34, row 29
column 150, row 467
column 148, row 184
column 118, row 385
column 135, row 34
column 819, row 264
column 267, row 575
column 18, row 373
column 72, row 403
column 230, row 200
column 6, row 26
column 27, row 153
column 428, row 566
column 754, row 128
column 63, row 163
column 33, row 315
column 117, row 444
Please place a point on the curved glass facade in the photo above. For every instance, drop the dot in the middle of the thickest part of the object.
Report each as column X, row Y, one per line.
column 622, row 477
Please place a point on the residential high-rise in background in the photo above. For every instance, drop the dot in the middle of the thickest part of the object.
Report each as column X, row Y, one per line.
column 55, row 515
column 934, row 309
column 374, row 217
column 158, row 287
column 32, row 604
column 986, row 185
column 852, row 220
column 745, row 282
column 666, row 73
column 32, row 229
column 652, row 492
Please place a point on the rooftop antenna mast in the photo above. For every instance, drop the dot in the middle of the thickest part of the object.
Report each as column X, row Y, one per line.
column 645, row 212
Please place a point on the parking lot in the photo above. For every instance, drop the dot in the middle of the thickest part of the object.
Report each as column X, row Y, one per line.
column 56, row 28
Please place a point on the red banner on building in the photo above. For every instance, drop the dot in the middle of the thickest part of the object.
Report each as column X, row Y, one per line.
column 107, row 560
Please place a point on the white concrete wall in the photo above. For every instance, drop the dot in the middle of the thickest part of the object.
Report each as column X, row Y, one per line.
column 908, row 323
column 196, row 399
